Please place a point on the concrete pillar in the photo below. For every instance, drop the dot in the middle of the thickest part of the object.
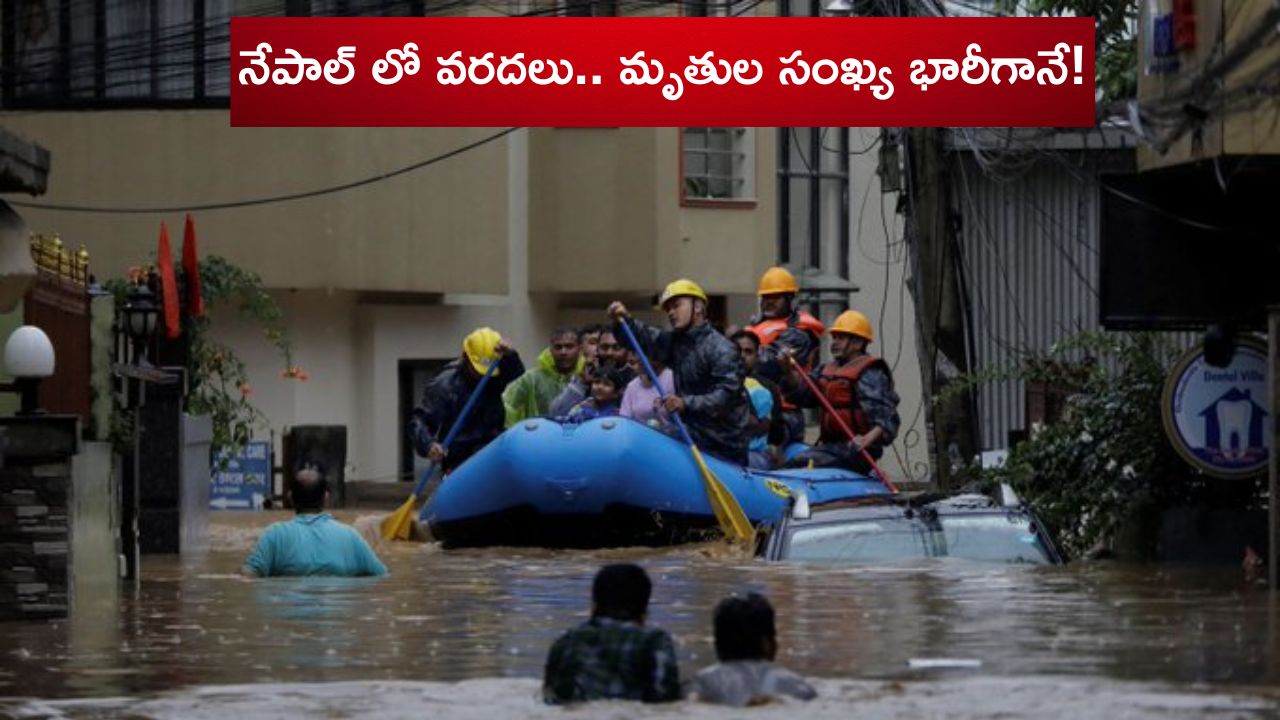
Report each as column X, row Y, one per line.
column 35, row 531
column 197, row 442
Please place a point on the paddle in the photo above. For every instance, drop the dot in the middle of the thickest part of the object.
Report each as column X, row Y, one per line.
column 817, row 391
column 400, row 524
column 733, row 521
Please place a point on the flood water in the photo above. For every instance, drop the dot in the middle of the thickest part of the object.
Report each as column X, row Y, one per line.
column 934, row 639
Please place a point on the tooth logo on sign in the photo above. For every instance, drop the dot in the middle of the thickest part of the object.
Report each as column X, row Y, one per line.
column 1216, row 417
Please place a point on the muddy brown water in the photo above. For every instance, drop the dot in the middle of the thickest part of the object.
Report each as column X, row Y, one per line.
column 944, row 639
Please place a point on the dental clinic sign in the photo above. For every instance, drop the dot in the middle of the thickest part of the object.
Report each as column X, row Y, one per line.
column 1217, row 417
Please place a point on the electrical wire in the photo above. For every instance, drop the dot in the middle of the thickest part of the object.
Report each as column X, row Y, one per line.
column 270, row 199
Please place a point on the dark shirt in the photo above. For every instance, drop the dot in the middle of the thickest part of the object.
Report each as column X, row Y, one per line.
column 444, row 399
column 708, row 372
column 611, row 659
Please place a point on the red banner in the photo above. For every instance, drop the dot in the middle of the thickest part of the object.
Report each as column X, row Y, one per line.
column 612, row 72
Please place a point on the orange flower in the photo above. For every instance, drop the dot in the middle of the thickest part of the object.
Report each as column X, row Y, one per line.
column 245, row 390
column 295, row 373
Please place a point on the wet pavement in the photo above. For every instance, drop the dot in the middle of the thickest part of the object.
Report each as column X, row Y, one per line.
column 945, row 639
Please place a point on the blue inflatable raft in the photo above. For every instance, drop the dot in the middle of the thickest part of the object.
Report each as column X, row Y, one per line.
column 605, row 483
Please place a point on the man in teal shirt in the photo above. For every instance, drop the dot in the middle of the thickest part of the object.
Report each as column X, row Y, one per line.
column 313, row 543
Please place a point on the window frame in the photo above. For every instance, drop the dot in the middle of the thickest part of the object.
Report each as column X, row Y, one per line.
column 750, row 199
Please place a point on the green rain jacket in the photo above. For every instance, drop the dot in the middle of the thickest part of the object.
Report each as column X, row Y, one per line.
column 531, row 394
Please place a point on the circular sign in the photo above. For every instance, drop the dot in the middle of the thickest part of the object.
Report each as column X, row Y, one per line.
column 1217, row 418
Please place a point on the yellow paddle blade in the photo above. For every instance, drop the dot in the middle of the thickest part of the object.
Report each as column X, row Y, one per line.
column 733, row 521
column 400, row 524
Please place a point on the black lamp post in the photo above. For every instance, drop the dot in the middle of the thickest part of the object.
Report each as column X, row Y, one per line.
column 139, row 315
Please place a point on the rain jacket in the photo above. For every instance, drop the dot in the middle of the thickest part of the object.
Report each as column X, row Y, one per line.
column 443, row 400
column 532, row 394
column 708, row 373
column 575, row 391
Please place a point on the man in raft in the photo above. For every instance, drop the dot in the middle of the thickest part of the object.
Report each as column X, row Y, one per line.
column 448, row 392
column 531, row 395
column 859, row 387
column 782, row 327
column 708, row 371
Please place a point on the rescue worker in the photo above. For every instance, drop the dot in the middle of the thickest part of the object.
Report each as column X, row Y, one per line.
column 859, row 387
column 780, row 326
column 531, row 394
column 708, row 372
column 448, row 392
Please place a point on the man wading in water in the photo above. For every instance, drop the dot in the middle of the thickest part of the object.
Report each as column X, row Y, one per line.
column 313, row 543
column 614, row 656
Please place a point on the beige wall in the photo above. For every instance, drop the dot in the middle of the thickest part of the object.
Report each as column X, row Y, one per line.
column 351, row 345
column 605, row 215
column 438, row 229
column 725, row 249
column 593, row 199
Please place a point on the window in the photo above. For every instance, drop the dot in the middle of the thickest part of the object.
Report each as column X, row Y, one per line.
column 813, row 198
column 159, row 53
column 718, row 164
column 164, row 52
column 589, row 8
column 716, row 8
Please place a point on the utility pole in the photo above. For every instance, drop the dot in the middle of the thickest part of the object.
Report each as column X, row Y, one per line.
column 937, row 290
column 1273, row 452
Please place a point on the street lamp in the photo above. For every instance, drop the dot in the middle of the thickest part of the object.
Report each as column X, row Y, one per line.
column 28, row 358
column 140, row 314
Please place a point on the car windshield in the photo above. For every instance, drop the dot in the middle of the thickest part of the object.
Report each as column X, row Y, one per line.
column 1008, row 538
column 857, row 542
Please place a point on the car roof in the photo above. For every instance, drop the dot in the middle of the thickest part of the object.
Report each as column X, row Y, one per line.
column 872, row 506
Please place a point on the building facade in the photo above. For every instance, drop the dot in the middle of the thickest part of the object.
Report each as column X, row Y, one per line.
column 521, row 229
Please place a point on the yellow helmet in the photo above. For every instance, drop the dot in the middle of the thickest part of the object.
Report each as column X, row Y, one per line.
column 681, row 288
column 776, row 281
column 481, row 348
column 853, row 322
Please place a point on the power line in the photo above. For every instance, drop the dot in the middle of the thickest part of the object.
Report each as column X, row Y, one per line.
column 266, row 200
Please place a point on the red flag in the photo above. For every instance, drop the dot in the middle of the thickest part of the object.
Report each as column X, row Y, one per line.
column 168, row 284
column 191, row 268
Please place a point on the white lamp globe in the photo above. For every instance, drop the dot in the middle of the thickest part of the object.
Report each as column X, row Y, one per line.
column 28, row 353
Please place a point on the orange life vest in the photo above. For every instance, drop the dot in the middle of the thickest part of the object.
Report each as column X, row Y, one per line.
column 839, row 384
column 768, row 330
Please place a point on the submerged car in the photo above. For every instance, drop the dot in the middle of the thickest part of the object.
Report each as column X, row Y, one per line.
column 887, row 528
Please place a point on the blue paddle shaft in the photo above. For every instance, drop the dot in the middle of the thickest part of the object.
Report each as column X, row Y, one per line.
column 457, row 425
column 653, row 377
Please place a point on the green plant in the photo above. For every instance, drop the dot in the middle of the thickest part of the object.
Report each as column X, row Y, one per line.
column 218, row 379
column 1107, row 464
column 1116, row 57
